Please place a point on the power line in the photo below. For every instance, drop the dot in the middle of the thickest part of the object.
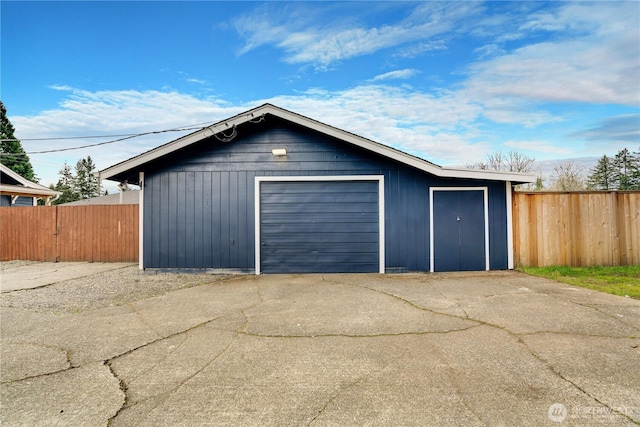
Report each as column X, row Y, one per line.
column 121, row 137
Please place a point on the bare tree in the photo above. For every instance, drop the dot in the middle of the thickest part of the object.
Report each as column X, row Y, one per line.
column 567, row 176
column 518, row 162
column 511, row 162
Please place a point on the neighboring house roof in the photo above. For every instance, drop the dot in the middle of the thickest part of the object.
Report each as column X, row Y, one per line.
column 122, row 171
column 12, row 184
column 131, row 197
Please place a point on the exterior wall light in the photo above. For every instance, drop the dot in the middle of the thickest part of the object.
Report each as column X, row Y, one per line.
column 279, row 152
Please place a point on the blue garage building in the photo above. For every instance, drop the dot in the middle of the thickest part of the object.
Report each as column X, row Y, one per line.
column 272, row 191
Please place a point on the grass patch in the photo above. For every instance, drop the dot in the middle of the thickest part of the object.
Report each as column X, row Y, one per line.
column 620, row 280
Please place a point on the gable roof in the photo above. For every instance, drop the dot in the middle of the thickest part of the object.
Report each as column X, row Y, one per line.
column 135, row 163
column 20, row 186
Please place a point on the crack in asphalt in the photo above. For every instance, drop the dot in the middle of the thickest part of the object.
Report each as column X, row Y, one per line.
column 60, row 281
column 519, row 340
column 595, row 307
column 165, row 395
column 340, row 391
column 67, row 355
column 132, row 307
column 455, row 383
column 166, row 356
column 241, row 330
column 123, row 389
column 558, row 374
column 162, row 397
column 338, row 335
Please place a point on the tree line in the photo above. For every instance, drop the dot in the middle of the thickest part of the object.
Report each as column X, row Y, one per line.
column 618, row 172
column 79, row 184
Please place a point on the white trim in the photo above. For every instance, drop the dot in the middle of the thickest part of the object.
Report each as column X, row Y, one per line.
column 381, row 224
column 379, row 178
column 510, row 256
column 485, row 191
column 326, row 129
column 141, row 223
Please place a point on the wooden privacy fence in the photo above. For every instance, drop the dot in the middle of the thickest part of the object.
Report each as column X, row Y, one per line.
column 99, row 233
column 576, row 229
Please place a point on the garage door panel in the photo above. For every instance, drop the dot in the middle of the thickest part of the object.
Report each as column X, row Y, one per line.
column 319, row 227
column 298, row 258
column 319, row 208
column 316, row 187
column 353, row 239
column 345, row 197
column 336, row 217
column 317, row 267
column 327, row 247
column 327, row 226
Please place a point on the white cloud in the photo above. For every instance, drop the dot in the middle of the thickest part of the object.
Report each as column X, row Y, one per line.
column 407, row 73
column 330, row 39
column 418, row 49
column 596, row 61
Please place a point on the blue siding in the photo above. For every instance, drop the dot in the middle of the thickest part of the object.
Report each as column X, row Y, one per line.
column 20, row 201
column 199, row 203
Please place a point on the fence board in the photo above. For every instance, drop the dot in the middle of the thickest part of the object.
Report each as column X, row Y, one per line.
column 99, row 233
column 576, row 229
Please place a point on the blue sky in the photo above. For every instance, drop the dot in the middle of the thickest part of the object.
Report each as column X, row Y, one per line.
column 449, row 82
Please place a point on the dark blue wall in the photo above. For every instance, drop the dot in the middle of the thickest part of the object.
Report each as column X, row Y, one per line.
column 20, row 201
column 199, row 203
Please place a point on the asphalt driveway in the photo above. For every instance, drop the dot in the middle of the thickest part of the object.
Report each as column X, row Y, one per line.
column 491, row 348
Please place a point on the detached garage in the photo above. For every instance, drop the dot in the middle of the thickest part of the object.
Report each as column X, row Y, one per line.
column 271, row 191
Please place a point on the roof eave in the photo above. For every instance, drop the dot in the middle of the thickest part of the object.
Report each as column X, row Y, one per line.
column 22, row 180
column 18, row 190
column 386, row 151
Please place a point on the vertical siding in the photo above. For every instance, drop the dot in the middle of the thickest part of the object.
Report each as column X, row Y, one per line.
column 199, row 206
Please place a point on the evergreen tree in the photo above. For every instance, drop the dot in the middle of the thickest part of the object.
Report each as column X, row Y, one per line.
column 83, row 185
column 12, row 154
column 635, row 172
column 65, row 185
column 603, row 175
column 86, row 182
column 626, row 165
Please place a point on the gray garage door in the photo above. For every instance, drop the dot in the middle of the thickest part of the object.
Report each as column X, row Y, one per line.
column 319, row 227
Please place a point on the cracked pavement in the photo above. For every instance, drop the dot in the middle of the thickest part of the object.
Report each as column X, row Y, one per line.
column 490, row 348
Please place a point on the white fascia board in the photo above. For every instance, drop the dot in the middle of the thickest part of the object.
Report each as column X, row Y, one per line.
column 19, row 190
column 488, row 175
column 326, row 129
